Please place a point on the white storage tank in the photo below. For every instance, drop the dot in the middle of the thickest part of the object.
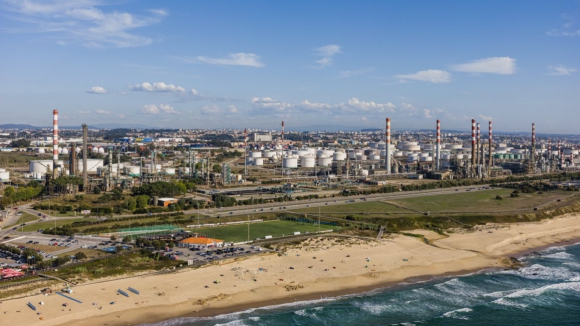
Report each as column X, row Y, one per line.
column 4, row 176
column 101, row 150
column 302, row 152
column 269, row 153
column 427, row 147
column 364, row 173
column 41, row 166
column 133, row 171
column 92, row 165
column 169, row 171
column 339, row 156
column 40, row 150
column 460, row 156
column 382, row 145
column 256, row 154
column 95, row 150
column 258, row 161
column 308, row 162
column 290, row 162
column 78, row 149
column 327, row 153
column 324, row 161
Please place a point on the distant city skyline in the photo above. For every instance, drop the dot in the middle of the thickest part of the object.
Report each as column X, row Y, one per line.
column 253, row 64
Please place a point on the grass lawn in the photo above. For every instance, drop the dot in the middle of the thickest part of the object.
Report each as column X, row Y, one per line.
column 25, row 218
column 237, row 233
column 371, row 207
column 50, row 224
column 44, row 248
column 480, row 201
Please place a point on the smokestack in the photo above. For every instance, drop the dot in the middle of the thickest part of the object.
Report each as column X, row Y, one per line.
column 282, row 132
column 73, row 159
column 490, row 157
column 478, row 159
column 388, row 147
column 473, row 143
column 54, row 143
column 118, row 165
column 245, row 151
column 559, row 152
column 549, row 149
column 85, row 158
column 533, row 149
column 438, row 146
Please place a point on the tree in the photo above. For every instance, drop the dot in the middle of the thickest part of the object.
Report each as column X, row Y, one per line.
column 217, row 168
column 9, row 191
column 80, row 255
column 97, row 190
column 113, row 238
column 119, row 248
column 126, row 239
column 20, row 143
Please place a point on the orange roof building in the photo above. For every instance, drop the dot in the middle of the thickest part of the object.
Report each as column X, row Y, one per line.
column 202, row 243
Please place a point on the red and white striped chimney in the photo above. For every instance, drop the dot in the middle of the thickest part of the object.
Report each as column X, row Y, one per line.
column 438, row 145
column 473, row 142
column 54, row 142
column 388, row 147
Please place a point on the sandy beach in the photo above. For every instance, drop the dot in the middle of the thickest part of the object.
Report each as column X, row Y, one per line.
column 314, row 268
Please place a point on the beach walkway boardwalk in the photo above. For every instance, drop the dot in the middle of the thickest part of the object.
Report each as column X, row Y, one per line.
column 381, row 232
column 55, row 278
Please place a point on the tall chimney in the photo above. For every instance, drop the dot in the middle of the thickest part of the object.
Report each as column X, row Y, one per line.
column 388, row 147
column 473, row 143
column 533, row 149
column 559, row 152
column 54, row 143
column 490, row 157
column 282, row 132
column 478, row 159
column 549, row 149
column 245, row 151
column 73, row 159
column 438, row 146
column 85, row 158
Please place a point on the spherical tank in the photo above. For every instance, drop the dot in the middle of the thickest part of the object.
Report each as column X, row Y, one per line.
column 290, row 162
column 60, row 150
column 78, row 149
column 40, row 150
column 64, row 151
column 101, row 150
column 308, row 162
column 94, row 150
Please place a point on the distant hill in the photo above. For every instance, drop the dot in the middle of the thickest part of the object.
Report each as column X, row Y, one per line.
column 18, row 126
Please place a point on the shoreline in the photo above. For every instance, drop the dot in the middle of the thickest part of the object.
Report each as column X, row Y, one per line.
column 308, row 271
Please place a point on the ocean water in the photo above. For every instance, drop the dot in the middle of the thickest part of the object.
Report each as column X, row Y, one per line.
column 544, row 292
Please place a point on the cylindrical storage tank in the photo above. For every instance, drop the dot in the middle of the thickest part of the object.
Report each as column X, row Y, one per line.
column 302, row 152
column 269, row 154
column 426, row 159
column 65, row 151
column 256, row 154
column 427, row 147
column 169, row 171
column 132, row 171
column 510, row 156
column 327, row 152
column 42, row 166
column 258, row 161
column 290, row 162
column 92, row 165
column 308, row 162
column 4, row 176
column 324, row 161
column 352, row 155
column 339, row 156
column 424, row 155
column 518, row 156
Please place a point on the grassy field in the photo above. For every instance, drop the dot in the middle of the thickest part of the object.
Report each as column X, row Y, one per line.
column 25, row 218
column 50, row 224
column 372, row 207
column 237, row 233
column 480, row 201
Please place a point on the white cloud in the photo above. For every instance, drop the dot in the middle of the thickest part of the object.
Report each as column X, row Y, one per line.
column 559, row 70
column 326, row 52
column 84, row 112
column 97, row 90
column 159, row 12
column 566, row 29
column 266, row 103
column 427, row 114
column 103, row 112
column 194, row 91
column 161, row 109
column 349, row 73
column 234, row 59
column 158, row 88
column 211, row 109
column 80, row 21
column 232, row 109
column 492, row 65
column 120, row 116
column 431, row 75
column 485, row 117
column 354, row 105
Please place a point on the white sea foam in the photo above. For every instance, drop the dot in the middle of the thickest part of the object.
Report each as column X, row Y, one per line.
column 236, row 322
column 560, row 255
column 540, row 272
column 575, row 265
column 456, row 313
column 504, row 302
column 574, row 286
column 254, row 318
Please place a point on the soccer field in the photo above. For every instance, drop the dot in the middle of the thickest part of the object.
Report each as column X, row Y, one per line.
column 238, row 233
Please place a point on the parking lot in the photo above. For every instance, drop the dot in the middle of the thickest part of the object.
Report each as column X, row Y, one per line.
column 206, row 255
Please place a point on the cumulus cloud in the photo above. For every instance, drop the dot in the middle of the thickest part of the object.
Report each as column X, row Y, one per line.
column 566, row 29
column 492, row 65
column 211, row 109
column 431, row 76
column 97, row 90
column 157, row 88
column 194, row 92
column 161, row 109
column 103, row 112
column 267, row 103
column 427, row 114
column 159, row 12
column 354, row 105
column 233, row 59
column 232, row 109
column 326, row 52
column 80, row 21
column 559, row 70
column 485, row 117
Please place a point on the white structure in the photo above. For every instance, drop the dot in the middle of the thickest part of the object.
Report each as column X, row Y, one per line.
column 92, row 165
column 264, row 138
column 290, row 162
column 308, row 162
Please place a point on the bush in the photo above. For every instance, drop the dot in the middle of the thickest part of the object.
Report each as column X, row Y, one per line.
column 80, row 255
column 498, row 197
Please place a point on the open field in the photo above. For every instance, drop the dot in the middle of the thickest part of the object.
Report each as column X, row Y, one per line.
column 480, row 201
column 25, row 218
column 50, row 224
column 372, row 207
column 238, row 233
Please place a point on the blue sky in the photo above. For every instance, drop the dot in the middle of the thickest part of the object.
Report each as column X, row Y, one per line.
column 238, row 64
